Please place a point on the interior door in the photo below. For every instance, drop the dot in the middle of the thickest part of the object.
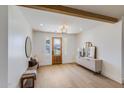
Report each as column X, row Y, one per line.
column 56, row 50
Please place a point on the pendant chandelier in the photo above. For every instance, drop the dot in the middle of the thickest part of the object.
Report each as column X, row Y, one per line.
column 63, row 29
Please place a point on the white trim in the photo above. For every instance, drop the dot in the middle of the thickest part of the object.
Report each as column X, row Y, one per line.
column 112, row 77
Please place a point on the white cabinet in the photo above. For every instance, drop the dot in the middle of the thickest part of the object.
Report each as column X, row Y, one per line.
column 90, row 63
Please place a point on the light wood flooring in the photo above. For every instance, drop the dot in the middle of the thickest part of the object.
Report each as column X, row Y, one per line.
column 71, row 76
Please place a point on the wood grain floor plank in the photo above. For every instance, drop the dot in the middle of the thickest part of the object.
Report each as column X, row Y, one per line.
column 71, row 76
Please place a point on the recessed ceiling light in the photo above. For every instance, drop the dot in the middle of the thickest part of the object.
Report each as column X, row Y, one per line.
column 41, row 24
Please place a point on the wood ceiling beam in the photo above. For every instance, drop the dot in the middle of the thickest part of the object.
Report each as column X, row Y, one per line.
column 74, row 12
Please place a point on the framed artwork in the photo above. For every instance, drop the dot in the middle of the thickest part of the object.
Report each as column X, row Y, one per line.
column 92, row 52
column 48, row 46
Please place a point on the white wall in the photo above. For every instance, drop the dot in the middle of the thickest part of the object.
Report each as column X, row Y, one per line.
column 107, row 38
column 123, row 50
column 18, row 30
column 3, row 45
column 68, row 44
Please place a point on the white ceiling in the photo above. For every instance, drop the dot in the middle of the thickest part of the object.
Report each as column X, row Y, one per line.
column 109, row 10
column 51, row 21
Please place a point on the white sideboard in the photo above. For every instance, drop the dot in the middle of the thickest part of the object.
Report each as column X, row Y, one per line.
column 90, row 63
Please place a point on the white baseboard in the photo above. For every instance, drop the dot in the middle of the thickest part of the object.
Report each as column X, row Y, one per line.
column 112, row 77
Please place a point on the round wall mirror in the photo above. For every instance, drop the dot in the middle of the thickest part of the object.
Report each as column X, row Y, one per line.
column 28, row 47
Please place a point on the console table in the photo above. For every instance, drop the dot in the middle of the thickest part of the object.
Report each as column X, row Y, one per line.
column 27, row 80
column 91, row 63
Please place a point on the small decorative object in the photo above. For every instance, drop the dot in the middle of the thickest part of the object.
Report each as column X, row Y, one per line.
column 28, row 47
column 82, row 53
column 88, row 44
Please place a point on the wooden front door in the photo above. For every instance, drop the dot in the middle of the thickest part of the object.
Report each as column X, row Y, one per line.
column 56, row 50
